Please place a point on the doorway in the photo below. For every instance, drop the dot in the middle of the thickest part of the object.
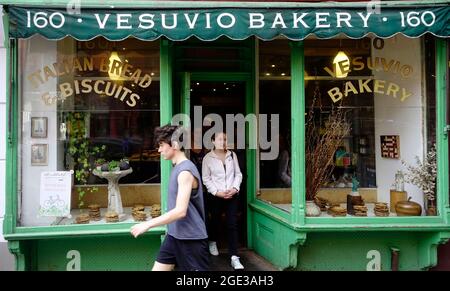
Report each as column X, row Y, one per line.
column 226, row 95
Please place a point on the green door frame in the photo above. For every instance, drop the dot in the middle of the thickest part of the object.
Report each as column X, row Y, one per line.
column 186, row 79
column 166, row 109
column 298, row 133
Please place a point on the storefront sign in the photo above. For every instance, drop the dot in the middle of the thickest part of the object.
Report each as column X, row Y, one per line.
column 109, row 87
column 209, row 24
column 55, row 191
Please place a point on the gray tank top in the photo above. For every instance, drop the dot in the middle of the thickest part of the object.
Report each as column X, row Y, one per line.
column 192, row 226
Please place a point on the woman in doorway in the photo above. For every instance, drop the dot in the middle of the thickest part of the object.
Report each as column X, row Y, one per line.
column 222, row 177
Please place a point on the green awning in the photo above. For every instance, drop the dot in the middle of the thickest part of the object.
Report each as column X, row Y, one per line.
column 235, row 23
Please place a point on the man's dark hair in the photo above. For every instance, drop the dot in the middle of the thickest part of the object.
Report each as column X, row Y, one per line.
column 168, row 133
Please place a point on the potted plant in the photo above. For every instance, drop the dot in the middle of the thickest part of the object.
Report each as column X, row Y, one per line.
column 113, row 166
column 423, row 175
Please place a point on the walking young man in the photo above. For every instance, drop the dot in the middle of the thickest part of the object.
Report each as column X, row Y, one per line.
column 185, row 245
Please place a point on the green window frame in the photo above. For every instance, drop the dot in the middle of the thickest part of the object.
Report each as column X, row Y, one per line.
column 298, row 125
column 297, row 219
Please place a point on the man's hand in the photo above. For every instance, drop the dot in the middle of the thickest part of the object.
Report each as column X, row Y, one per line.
column 138, row 229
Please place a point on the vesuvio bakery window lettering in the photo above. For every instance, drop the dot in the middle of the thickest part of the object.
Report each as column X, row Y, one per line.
column 116, row 68
column 342, row 67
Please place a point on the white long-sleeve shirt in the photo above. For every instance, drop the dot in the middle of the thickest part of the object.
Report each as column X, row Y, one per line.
column 218, row 176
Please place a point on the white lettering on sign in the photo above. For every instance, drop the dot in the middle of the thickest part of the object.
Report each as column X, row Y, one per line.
column 147, row 19
column 191, row 22
column 256, row 20
column 101, row 23
column 75, row 260
column 174, row 21
column 226, row 20
column 279, row 21
column 298, row 19
column 40, row 19
column 123, row 19
column 375, row 260
column 343, row 17
column 232, row 20
column 365, row 19
column 321, row 20
column 412, row 18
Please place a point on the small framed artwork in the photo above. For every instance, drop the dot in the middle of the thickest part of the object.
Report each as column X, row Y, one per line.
column 39, row 127
column 390, row 146
column 39, row 154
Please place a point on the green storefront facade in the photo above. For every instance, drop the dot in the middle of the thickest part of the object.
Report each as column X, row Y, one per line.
column 234, row 42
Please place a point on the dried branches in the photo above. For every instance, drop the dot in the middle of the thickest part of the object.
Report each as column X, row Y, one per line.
column 423, row 175
column 322, row 141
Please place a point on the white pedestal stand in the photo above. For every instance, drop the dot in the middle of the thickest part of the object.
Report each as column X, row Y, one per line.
column 114, row 198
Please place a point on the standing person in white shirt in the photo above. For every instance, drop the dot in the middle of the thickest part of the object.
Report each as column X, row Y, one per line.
column 222, row 177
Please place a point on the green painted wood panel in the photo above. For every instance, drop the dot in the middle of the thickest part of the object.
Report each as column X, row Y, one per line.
column 117, row 253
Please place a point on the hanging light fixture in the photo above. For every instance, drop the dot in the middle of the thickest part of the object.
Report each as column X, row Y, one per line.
column 114, row 57
column 341, row 63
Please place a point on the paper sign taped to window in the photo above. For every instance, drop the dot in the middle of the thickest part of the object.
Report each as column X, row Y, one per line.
column 55, row 193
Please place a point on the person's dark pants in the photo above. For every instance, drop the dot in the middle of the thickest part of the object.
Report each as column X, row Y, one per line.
column 215, row 206
column 186, row 255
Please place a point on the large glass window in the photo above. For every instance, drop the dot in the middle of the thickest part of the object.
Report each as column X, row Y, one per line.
column 370, row 107
column 89, row 107
column 274, row 103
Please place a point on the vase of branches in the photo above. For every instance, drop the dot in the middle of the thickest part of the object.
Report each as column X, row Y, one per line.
column 312, row 209
column 423, row 175
column 325, row 131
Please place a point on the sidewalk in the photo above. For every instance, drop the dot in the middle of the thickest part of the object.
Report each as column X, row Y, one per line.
column 6, row 258
column 250, row 260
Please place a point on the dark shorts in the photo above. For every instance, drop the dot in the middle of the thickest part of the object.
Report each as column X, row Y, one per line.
column 186, row 255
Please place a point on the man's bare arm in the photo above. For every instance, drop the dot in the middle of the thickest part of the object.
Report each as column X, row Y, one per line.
column 185, row 185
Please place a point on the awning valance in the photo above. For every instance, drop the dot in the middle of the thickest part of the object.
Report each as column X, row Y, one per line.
column 235, row 23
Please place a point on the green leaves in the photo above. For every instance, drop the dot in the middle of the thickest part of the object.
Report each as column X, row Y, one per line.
column 80, row 149
column 113, row 165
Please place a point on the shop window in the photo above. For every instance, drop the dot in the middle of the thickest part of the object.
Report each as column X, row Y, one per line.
column 89, row 107
column 370, row 107
column 274, row 103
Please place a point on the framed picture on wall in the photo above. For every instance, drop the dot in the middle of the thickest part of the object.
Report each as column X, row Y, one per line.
column 39, row 127
column 390, row 146
column 39, row 154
